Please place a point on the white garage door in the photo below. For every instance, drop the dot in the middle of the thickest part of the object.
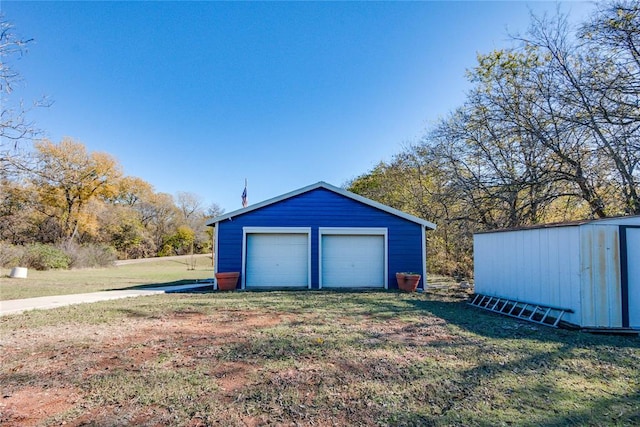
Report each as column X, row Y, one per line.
column 277, row 260
column 633, row 274
column 353, row 261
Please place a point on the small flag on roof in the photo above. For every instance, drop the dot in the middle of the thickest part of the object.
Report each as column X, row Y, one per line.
column 245, row 201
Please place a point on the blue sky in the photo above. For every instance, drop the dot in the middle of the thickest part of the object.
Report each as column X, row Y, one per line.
column 198, row 96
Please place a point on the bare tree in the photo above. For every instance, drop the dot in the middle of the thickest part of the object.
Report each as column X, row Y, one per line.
column 591, row 86
column 190, row 204
column 550, row 131
column 14, row 124
column 612, row 40
column 214, row 210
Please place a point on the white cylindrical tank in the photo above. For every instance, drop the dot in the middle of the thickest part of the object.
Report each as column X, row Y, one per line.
column 18, row 273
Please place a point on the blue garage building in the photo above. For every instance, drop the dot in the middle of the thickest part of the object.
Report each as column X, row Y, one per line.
column 318, row 237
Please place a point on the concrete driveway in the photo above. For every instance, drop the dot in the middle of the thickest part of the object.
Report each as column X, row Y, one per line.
column 18, row 306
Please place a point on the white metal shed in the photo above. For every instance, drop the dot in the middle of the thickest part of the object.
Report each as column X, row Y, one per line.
column 590, row 267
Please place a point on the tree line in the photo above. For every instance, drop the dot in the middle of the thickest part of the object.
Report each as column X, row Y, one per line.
column 547, row 133
column 63, row 195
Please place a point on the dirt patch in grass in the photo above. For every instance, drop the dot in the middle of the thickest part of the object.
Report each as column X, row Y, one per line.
column 428, row 331
column 38, row 366
column 340, row 359
column 28, row 406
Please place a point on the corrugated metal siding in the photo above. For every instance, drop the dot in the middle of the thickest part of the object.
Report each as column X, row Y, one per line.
column 539, row 265
column 324, row 208
column 600, row 269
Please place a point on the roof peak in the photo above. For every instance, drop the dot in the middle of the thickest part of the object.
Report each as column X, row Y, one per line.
column 327, row 186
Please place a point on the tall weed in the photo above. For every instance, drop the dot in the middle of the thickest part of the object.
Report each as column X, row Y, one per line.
column 10, row 255
column 90, row 256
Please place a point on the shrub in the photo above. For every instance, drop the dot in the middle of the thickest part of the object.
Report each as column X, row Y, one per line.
column 90, row 256
column 144, row 249
column 45, row 257
column 167, row 250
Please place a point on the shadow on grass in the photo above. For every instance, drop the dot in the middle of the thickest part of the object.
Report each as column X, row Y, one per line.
column 547, row 351
column 493, row 325
column 560, row 377
column 159, row 285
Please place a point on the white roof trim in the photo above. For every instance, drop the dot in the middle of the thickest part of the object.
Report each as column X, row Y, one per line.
column 329, row 187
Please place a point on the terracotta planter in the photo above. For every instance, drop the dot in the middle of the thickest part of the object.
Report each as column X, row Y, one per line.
column 227, row 281
column 408, row 282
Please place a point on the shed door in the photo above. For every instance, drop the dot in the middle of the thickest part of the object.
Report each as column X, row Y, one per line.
column 353, row 261
column 633, row 274
column 277, row 260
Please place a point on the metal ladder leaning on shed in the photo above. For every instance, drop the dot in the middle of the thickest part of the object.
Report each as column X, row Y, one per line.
column 536, row 313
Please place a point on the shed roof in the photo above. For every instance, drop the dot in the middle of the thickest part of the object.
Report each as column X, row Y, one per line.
column 329, row 187
column 614, row 220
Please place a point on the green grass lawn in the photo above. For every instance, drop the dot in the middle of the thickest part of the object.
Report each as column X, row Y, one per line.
column 64, row 282
column 311, row 358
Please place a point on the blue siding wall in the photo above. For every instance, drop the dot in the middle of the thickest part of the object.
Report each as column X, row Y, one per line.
column 324, row 208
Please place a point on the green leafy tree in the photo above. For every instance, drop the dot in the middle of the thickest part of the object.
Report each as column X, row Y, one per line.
column 179, row 243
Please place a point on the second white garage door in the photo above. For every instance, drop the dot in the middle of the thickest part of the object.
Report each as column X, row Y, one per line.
column 277, row 260
column 352, row 261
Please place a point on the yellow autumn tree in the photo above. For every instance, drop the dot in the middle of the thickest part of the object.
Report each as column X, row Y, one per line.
column 67, row 179
column 132, row 191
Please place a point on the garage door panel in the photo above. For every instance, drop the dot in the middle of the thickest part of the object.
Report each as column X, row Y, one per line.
column 353, row 261
column 277, row 260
